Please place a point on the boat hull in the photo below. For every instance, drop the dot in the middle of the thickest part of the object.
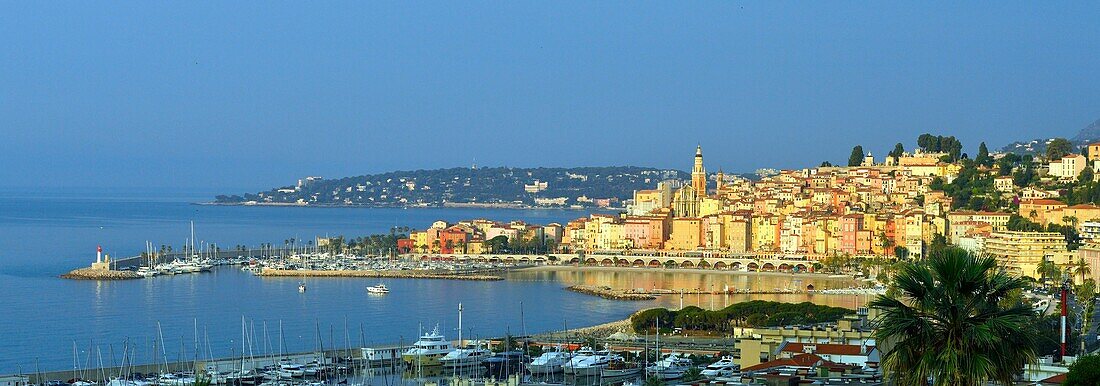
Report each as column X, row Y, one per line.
column 549, row 368
column 425, row 360
column 609, row 373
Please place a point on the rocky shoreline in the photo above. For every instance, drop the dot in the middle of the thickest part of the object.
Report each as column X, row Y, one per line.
column 375, row 274
column 609, row 293
column 99, row 274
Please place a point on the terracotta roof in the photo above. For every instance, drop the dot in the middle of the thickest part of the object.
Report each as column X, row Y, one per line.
column 1084, row 206
column 800, row 360
column 1055, row 380
column 970, row 212
column 826, row 348
column 1042, row 201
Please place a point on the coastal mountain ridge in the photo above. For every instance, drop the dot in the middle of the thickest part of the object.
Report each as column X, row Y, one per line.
column 1085, row 136
column 504, row 186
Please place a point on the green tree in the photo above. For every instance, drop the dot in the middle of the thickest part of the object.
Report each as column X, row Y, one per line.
column 1048, row 271
column 946, row 321
column 1081, row 269
column 900, row 252
column 856, row 158
column 899, row 149
column 928, row 142
column 983, row 157
column 1084, row 372
column 1086, row 176
column 1058, row 148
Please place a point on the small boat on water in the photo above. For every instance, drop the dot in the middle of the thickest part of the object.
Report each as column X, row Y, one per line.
column 378, row 289
column 301, row 287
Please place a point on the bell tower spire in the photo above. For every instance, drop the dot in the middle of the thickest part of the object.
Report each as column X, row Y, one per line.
column 699, row 174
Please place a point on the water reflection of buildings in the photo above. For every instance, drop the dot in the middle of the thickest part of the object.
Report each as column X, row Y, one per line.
column 721, row 287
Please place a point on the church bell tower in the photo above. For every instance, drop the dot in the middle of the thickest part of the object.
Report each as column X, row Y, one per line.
column 698, row 174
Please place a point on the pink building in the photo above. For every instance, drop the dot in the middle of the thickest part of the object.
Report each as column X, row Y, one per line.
column 850, row 225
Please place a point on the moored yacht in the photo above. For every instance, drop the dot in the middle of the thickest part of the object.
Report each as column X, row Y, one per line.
column 723, row 368
column 468, row 356
column 672, row 366
column 593, row 364
column 618, row 368
column 428, row 350
column 503, row 364
column 581, row 355
column 378, row 289
column 549, row 362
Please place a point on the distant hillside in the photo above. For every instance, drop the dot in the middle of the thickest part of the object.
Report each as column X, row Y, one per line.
column 1089, row 134
column 500, row 185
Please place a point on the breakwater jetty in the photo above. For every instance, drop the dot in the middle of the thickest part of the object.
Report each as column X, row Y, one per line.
column 374, row 274
column 90, row 273
column 610, row 293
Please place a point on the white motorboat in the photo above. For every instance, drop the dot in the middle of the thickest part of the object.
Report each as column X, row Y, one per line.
column 465, row 357
column 549, row 362
column 378, row 289
column 581, row 355
column 672, row 366
column 595, row 363
column 170, row 379
column 301, row 287
column 723, row 368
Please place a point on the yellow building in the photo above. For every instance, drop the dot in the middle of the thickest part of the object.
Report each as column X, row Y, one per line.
column 1075, row 215
column 687, row 234
column 1022, row 252
column 612, row 237
column 476, row 247
column 998, row 220
column 765, row 233
column 737, row 232
column 421, row 241
column 1041, row 210
column 758, row 345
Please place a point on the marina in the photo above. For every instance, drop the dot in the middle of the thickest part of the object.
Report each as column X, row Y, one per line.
column 41, row 330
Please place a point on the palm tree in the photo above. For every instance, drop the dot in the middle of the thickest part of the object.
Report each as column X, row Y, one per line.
column 1048, row 270
column 951, row 319
column 1082, row 269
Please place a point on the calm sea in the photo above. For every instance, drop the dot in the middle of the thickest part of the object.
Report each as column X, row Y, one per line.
column 45, row 233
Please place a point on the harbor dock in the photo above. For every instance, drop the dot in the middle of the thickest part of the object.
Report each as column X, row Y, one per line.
column 374, row 274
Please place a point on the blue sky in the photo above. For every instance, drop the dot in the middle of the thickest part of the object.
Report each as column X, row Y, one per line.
column 248, row 95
